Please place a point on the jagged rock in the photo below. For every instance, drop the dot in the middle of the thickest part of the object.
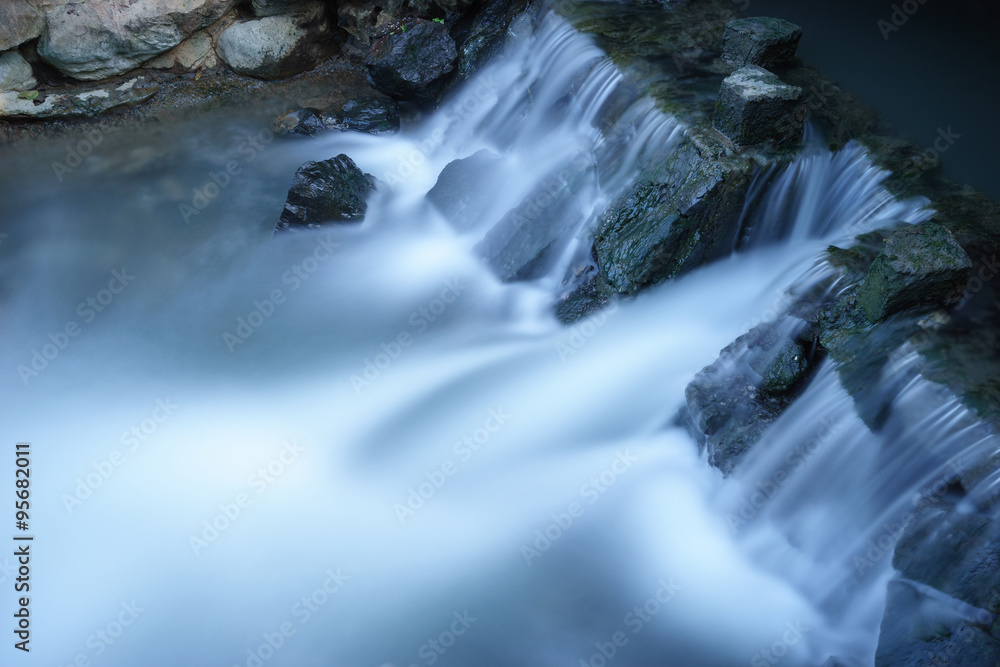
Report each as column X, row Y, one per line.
column 274, row 47
column 374, row 115
column 783, row 369
column 462, row 191
column 20, row 21
column 302, row 122
column 681, row 214
column 487, row 35
column 15, row 72
column 195, row 52
column 919, row 629
column 760, row 40
column 87, row 103
column 583, row 298
column 922, row 265
column 333, row 190
column 262, row 8
column 96, row 40
column 412, row 60
column 755, row 107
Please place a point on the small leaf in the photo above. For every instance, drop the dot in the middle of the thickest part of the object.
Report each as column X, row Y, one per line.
column 438, row 20
column 30, row 95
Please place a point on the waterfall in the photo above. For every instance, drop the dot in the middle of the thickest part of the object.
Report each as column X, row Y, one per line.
column 359, row 446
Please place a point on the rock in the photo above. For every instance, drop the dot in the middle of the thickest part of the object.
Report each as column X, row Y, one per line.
column 374, row 115
column 97, row 40
column 274, row 47
column 262, row 8
column 412, row 60
column 357, row 18
column 760, row 40
column 15, row 72
column 487, row 35
column 919, row 629
column 680, row 214
column 88, row 103
column 195, row 52
column 462, row 193
column 782, row 369
column 333, row 190
column 922, row 265
column 755, row 107
column 582, row 299
column 302, row 122
column 20, row 21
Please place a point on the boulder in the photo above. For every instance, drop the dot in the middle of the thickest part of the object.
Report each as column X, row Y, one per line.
column 922, row 265
column 680, row 214
column 20, row 21
column 487, row 35
column 82, row 104
column 15, row 72
column 755, row 107
column 301, row 122
column 333, row 190
column 374, row 115
column 97, row 40
column 760, row 40
column 274, row 47
column 462, row 193
column 195, row 52
column 412, row 60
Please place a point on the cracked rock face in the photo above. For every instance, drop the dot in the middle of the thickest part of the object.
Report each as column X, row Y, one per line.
column 760, row 40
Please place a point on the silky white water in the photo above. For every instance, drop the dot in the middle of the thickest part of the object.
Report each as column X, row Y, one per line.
column 355, row 446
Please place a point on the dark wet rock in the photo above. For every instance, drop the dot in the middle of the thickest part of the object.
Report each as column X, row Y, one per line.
column 262, row 8
column 374, row 115
column 487, row 35
column 412, row 60
column 782, row 370
column 583, row 299
column 274, row 47
column 97, row 40
column 333, row 190
column 756, row 107
column 922, row 265
column 301, row 122
column 920, row 628
column 462, row 192
column 682, row 213
column 760, row 40
column 20, row 21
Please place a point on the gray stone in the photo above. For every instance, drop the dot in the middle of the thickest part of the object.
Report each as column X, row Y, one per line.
column 274, row 47
column 301, row 122
column 20, row 21
column 262, row 8
column 331, row 191
column 412, row 60
column 462, row 192
column 755, row 107
column 97, row 40
column 81, row 104
column 760, row 40
column 15, row 72
column 921, row 265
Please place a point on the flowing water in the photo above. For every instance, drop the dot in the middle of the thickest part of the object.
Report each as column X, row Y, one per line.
column 356, row 446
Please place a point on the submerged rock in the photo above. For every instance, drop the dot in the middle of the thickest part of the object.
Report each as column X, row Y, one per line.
column 922, row 265
column 760, row 40
column 333, row 190
column 97, row 40
column 461, row 192
column 15, row 72
column 374, row 115
column 274, row 47
column 755, row 107
column 412, row 60
column 20, row 21
column 301, row 122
